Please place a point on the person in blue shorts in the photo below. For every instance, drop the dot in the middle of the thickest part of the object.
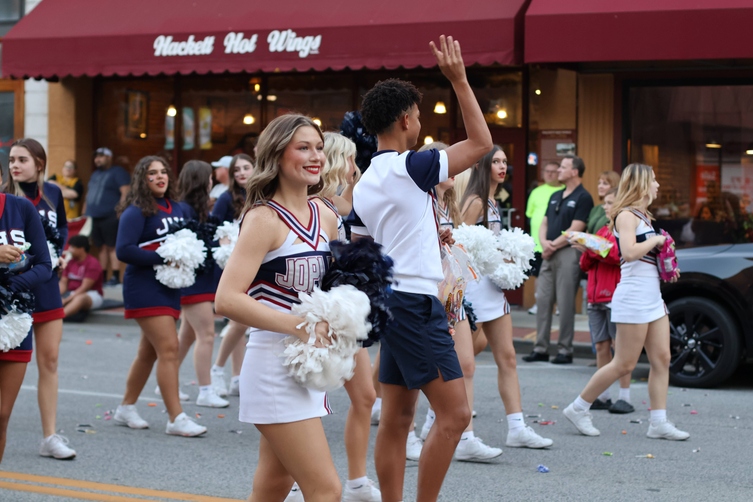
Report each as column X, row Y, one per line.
column 394, row 204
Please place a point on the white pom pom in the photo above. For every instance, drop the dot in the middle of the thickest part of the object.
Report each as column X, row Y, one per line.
column 14, row 326
column 346, row 310
column 508, row 276
column 185, row 253
column 228, row 230
column 517, row 246
column 53, row 255
column 481, row 246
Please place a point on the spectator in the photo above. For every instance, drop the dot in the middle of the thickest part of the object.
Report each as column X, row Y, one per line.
column 81, row 282
column 608, row 180
column 560, row 271
column 108, row 187
column 221, row 174
column 72, row 189
column 538, row 201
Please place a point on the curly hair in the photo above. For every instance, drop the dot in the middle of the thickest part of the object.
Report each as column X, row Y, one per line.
column 273, row 141
column 194, row 186
column 237, row 192
column 386, row 102
column 140, row 195
column 338, row 150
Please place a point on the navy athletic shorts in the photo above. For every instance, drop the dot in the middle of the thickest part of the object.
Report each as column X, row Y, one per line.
column 417, row 345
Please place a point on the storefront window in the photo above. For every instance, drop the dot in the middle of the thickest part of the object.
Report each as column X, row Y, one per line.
column 325, row 98
column 500, row 96
column 6, row 128
column 699, row 139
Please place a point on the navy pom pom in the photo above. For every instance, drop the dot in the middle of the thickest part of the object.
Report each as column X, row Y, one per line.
column 470, row 314
column 23, row 301
column 366, row 144
column 204, row 232
column 52, row 234
column 361, row 264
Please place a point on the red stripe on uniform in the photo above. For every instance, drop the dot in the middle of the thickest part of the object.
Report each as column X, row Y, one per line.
column 151, row 312
column 194, row 299
column 48, row 315
column 16, row 356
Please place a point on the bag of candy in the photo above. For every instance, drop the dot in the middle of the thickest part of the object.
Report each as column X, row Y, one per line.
column 666, row 259
column 595, row 243
column 458, row 271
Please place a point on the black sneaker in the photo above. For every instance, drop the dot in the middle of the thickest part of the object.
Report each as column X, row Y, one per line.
column 536, row 356
column 621, row 407
column 113, row 281
column 601, row 405
column 563, row 359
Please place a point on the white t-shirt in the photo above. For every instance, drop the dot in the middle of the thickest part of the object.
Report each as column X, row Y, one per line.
column 217, row 190
column 393, row 203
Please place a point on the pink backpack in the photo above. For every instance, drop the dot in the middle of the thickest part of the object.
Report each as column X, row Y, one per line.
column 666, row 259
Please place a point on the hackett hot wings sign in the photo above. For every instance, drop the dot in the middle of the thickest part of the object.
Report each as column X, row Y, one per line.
column 238, row 43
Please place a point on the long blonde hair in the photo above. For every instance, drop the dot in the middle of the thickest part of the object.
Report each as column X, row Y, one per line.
column 273, row 141
column 338, row 150
column 635, row 185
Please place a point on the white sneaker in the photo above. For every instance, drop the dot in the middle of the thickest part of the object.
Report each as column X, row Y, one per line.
column 666, row 430
column 184, row 426
column 235, row 388
column 57, row 447
column 367, row 492
column 581, row 420
column 413, row 447
column 210, row 399
column 181, row 395
column 425, row 429
column 295, row 494
column 534, row 310
column 376, row 415
column 127, row 415
column 218, row 382
column 525, row 437
column 474, row 450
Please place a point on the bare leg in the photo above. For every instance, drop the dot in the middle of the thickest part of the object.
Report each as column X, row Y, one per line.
column 200, row 318
column 11, row 377
column 375, row 376
column 479, row 340
column 301, row 451
column 186, row 336
column 239, row 353
column 233, row 336
column 47, row 336
column 499, row 334
column 657, row 350
column 77, row 304
column 140, row 370
column 104, row 258
column 358, row 425
column 114, row 263
column 464, row 348
column 398, row 409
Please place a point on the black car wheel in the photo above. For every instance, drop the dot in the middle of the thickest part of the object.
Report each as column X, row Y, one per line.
column 704, row 343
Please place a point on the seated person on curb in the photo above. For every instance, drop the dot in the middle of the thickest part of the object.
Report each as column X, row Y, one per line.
column 81, row 282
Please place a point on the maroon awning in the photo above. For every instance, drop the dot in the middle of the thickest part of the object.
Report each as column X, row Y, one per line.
column 559, row 31
column 136, row 37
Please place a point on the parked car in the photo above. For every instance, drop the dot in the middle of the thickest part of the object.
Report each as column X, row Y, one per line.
column 710, row 314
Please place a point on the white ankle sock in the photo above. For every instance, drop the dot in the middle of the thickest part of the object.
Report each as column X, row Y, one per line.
column 658, row 416
column 411, row 435
column 515, row 421
column 204, row 389
column 217, row 369
column 467, row 435
column 357, row 483
column 605, row 396
column 625, row 394
column 234, row 380
column 430, row 416
column 581, row 404
column 377, row 405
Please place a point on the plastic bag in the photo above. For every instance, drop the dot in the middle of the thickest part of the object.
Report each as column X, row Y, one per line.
column 458, row 271
column 595, row 243
column 666, row 259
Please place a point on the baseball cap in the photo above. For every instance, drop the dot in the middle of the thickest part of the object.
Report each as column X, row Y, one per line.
column 223, row 162
column 103, row 150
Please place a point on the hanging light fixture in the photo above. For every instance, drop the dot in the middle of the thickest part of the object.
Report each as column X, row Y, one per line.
column 171, row 111
column 248, row 119
column 440, row 108
column 537, row 92
column 749, row 150
column 502, row 114
column 713, row 143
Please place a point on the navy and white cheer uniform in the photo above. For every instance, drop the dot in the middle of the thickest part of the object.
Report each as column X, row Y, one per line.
column 223, row 208
column 637, row 298
column 394, row 203
column 20, row 223
column 139, row 237
column 268, row 395
column 340, row 224
column 48, row 303
column 205, row 287
column 487, row 299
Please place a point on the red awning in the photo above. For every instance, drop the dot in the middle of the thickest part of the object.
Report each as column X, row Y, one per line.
column 637, row 30
column 135, row 37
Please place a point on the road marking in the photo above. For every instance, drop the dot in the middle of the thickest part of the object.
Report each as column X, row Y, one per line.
column 122, row 493
column 93, row 394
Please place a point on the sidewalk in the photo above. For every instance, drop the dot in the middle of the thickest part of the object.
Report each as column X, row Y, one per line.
column 523, row 331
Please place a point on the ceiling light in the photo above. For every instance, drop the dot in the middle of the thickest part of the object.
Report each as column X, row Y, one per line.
column 257, row 87
column 271, row 97
column 171, row 111
column 713, row 144
column 537, row 92
column 502, row 114
column 749, row 150
column 428, row 140
column 142, row 135
column 440, row 108
column 248, row 119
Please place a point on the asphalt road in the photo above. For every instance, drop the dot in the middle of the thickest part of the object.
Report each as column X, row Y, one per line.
column 715, row 463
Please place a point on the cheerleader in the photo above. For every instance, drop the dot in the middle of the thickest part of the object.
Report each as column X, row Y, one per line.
column 638, row 309
column 489, row 302
column 341, row 171
column 145, row 217
column 197, row 314
column 27, row 163
column 283, row 249
column 228, row 208
column 19, row 224
column 470, row 448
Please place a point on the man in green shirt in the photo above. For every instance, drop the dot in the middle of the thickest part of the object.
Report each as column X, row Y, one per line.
column 538, row 201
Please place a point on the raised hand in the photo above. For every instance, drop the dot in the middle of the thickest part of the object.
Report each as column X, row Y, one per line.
column 449, row 59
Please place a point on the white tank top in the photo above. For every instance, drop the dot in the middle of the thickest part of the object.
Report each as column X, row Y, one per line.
column 646, row 265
